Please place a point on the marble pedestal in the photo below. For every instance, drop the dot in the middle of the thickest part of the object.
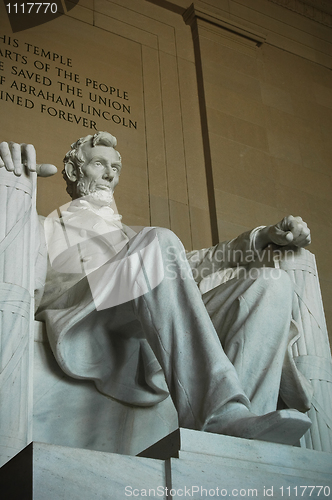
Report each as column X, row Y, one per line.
column 202, row 465
column 43, row 471
column 189, row 464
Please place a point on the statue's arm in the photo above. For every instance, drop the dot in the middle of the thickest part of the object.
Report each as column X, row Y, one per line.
column 16, row 157
column 224, row 255
column 244, row 249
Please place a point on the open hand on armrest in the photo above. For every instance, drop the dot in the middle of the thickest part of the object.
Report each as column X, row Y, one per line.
column 16, row 157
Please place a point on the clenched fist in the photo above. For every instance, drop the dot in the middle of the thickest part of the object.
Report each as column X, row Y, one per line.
column 290, row 231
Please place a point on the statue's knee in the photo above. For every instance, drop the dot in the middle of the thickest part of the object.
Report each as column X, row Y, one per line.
column 166, row 237
column 164, row 242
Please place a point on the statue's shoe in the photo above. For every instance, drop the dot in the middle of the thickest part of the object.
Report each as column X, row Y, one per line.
column 283, row 426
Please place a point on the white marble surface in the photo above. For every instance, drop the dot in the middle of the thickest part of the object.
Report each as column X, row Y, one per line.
column 216, row 466
column 17, row 224
column 63, row 473
column 244, row 479
column 213, row 461
column 187, row 443
column 73, row 413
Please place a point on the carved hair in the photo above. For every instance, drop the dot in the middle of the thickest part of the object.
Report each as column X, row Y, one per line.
column 76, row 158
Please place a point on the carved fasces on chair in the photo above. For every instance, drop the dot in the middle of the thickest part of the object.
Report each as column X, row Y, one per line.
column 17, row 228
column 311, row 348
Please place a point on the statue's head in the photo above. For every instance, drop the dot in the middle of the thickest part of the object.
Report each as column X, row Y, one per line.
column 92, row 167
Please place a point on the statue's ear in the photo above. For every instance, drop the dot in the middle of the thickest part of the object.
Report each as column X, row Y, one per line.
column 71, row 171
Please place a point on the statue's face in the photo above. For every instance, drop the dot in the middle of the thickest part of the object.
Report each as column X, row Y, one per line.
column 101, row 171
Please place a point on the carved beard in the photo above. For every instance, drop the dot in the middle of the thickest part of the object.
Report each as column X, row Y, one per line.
column 92, row 193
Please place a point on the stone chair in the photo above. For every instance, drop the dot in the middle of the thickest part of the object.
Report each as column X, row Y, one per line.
column 40, row 403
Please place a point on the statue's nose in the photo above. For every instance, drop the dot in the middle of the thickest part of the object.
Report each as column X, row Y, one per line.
column 108, row 173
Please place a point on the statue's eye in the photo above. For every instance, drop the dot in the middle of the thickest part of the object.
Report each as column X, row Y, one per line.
column 97, row 163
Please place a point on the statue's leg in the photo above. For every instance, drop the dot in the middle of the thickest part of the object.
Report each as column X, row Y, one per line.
column 252, row 316
column 202, row 381
column 177, row 326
